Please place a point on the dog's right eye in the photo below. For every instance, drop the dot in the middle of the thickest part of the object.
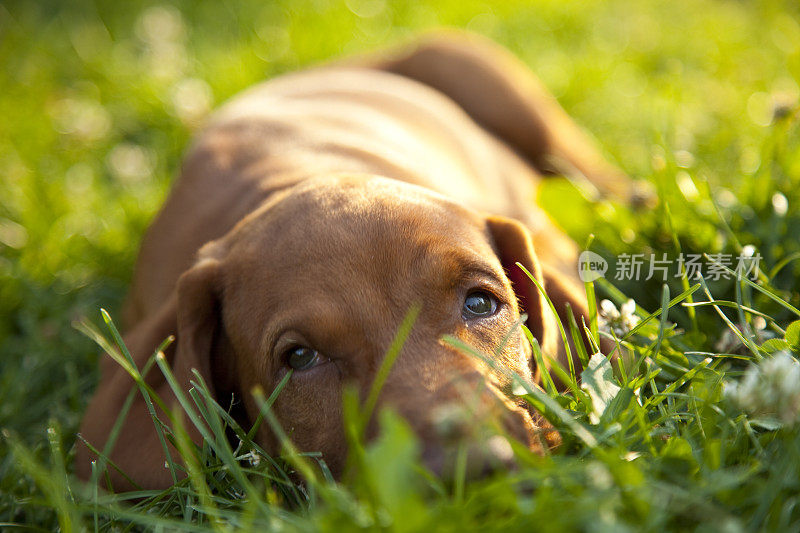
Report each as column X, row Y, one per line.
column 302, row 358
column 479, row 304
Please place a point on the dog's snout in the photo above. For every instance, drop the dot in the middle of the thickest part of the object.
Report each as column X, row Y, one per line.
column 476, row 402
column 471, row 429
column 451, row 422
column 471, row 459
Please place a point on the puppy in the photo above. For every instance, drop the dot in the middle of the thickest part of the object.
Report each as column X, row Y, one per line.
column 315, row 210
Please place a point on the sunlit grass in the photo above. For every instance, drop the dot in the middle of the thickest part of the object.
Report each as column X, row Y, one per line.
column 99, row 100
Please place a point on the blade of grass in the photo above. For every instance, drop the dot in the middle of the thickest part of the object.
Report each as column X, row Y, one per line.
column 196, row 475
column 782, row 263
column 577, row 340
column 593, row 341
column 747, row 331
column 49, row 484
column 122, row 356
column 206, row 427
column 618, row 296
column 247, row 439
column 545, row 376
column 295, row 458
column 220, row 443
column 57, row 456
column 388, row 362
column 591, row 297
column 271, row 400
column 657, row 398
column 541, row 290
column 507, row 337
column 780, row 301
column 684, row 277
column 747, row 342
column 675, row 301
column 729, row 303
column 665, row 306
column 460, row 473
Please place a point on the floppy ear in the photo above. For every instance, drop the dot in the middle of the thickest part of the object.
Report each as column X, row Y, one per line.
column 191, row 313
column 198, row 321
column 514, row 244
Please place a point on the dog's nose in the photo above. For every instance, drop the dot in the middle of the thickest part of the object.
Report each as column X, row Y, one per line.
column 468, row 438
column 451, row 422
column 471, row 459
column 455, row 421
column 470, row 402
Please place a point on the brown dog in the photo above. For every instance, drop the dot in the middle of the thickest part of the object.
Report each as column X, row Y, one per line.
column 316, row 209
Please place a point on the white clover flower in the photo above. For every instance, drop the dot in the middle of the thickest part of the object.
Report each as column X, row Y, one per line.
column 621, row 321
column 608, row 310
column 628, row 310
column 253, row 458
column 769, row 390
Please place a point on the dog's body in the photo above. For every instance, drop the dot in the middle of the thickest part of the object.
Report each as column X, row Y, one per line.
column 326, row 204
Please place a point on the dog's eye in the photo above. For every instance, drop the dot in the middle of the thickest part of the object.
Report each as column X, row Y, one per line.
column 301, row 358
column 479, row 304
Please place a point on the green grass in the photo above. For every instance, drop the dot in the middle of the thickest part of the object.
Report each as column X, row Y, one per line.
column 697, row 97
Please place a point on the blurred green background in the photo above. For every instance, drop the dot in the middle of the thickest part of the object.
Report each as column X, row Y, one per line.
column 98, row 100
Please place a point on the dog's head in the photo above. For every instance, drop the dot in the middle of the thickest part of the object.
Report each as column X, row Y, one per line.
column 317, row 282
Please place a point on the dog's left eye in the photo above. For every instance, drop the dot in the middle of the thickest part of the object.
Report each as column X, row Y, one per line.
column 479, row 304
column 301, row 358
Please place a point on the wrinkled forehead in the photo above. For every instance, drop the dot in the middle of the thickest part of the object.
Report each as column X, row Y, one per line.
column 371, row 231
column 355, row 219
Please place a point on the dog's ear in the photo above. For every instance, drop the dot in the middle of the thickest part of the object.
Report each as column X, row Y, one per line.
column 514, row 244
column 192, row 315
column 201, row 341
column 198, row 321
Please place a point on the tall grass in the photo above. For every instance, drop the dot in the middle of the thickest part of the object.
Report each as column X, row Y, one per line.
column 654, row 445
column 697, row 97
